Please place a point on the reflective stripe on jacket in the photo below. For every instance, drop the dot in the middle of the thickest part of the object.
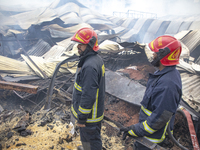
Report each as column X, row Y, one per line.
column 159, row 104
column 89, row 91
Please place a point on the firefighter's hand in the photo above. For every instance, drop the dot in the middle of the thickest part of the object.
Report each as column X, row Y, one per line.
column 128, row 131
column 80, row 125
column 125, row 134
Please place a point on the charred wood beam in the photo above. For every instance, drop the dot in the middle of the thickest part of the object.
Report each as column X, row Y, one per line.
column 18, row 87
column 63, row 95
column 42, row 86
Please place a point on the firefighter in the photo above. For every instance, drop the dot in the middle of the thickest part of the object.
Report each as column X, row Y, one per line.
column 89, row 89
column 162, row 95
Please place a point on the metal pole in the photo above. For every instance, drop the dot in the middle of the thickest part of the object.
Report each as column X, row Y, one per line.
column 51, row 86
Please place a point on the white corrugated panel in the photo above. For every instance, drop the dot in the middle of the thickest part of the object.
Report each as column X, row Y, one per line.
column 173, row 27
column 190, row 84
column 135, row 30
column 184, row 26
column 151, row 32
column 12, row 66
column 71, row 18
column 37, row 16
column 54, row 52
column 67, row 8
column 195, row 25
column 129, row 21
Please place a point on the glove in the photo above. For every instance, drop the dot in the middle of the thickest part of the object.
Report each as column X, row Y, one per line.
column 125, row 134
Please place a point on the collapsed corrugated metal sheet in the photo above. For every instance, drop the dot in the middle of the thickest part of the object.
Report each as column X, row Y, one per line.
column 131, row 35
column 190, row 76
column 180, row 18
column 55, row 52
column 38, row 16
column 48, row 66
column 73, row 13
column 190, row 72
column 39, row 49
column 153, row 28
column 192, row 41
column 57, row 31
column 50, row 29
column 15, row 68
column 46, row 63
column 132, row 91
column 145, row 30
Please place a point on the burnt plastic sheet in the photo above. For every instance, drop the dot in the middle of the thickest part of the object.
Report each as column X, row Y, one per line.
column 124, row 88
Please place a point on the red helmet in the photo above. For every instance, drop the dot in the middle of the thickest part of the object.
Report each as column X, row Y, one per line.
column 172, row 43
column 86, row 36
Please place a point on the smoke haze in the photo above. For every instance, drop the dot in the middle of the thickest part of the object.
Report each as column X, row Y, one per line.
column 160, row 7
column 107, row 7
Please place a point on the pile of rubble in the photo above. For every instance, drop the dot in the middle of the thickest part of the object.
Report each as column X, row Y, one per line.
column 45, row 130
column 53, row 130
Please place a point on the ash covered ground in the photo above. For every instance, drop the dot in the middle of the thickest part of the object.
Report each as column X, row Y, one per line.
column 52, row 130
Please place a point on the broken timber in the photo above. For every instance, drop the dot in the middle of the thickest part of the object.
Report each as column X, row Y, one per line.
column 18, row 87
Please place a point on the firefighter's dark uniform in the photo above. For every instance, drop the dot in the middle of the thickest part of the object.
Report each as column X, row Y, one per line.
column 159, row 104
column 88, row 98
